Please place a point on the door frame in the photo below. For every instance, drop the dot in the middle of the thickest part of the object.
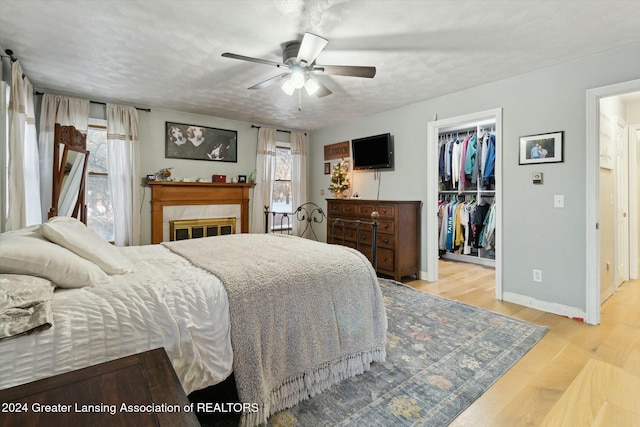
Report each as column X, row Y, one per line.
column 592, row 155
column 433, row 130
column 634, row 217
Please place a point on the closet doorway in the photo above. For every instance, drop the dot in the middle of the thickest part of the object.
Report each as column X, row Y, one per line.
column 490, row 120
column 611, row 261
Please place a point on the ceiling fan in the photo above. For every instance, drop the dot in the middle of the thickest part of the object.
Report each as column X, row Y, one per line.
column 298, row 61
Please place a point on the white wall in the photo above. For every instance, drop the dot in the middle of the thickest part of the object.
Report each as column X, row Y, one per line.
column 535, row 234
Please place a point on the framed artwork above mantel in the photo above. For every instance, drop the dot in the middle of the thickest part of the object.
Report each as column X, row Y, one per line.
column 195, row 142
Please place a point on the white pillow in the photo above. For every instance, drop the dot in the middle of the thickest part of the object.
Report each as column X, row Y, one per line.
column 72, row 234
column 27, row 252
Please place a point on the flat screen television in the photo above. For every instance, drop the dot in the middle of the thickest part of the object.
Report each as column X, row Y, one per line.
column 372, row 152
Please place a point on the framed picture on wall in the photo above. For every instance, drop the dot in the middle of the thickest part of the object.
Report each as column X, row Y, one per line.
column 195, row 142
column 327, row 168
column 542, row 148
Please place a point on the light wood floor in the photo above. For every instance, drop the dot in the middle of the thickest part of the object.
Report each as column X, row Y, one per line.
column 577, row 375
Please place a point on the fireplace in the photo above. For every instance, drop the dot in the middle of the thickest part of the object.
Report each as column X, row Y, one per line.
column 172, row 201
column 183, row 229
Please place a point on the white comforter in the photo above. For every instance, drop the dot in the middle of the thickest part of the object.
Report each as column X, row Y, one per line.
column 166, row 302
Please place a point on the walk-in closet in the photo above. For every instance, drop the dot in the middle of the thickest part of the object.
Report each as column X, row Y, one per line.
column 464, row 190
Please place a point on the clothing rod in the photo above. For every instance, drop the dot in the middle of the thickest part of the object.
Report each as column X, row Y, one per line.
column 148, row 110
column 278, row 130
column 467, row 126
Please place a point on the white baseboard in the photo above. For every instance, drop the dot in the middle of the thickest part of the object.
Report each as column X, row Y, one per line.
column 549, row 307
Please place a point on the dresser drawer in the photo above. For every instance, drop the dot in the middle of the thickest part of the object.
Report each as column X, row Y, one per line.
column 385, row 258
column 387, row 211
column 386, row 241
column 383, row 240
column 349, row 210
column 386, row 226
column 364, row 212
column 334, row 208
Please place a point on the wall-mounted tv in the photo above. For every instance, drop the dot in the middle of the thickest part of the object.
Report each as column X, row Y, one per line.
column 372, row 152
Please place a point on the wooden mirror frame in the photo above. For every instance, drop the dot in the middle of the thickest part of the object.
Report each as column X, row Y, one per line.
column 72, row 140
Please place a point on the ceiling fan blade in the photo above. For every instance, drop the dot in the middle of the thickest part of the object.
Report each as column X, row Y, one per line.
column 250, row 59
column 322, row 90
column 345, row 70
column 269, row 82
column 310, row 48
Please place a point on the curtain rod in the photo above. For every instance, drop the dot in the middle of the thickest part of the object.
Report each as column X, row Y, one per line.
column 148, row 110
column 278, row 130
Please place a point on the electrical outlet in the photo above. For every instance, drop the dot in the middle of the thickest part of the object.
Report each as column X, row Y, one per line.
column 322, row 192
column 537, row 275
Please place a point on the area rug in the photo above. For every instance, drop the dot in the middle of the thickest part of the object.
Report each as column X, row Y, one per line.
column 441, row 356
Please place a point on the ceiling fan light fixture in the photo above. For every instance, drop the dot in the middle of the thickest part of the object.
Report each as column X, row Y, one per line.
column 287, row 87
column 297, row 78
column 311, row 86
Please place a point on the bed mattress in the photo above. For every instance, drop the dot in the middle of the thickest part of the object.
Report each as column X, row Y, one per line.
column 166, row 302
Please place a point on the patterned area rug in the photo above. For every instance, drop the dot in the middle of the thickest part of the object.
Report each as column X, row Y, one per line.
column 441, row 356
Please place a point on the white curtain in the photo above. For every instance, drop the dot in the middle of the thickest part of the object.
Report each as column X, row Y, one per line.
column 265, row 174
column 66, row 112
column 123, row 145
column 298, row 175
column 23, row 174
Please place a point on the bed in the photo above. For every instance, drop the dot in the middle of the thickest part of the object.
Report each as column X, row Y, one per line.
column 289, row 316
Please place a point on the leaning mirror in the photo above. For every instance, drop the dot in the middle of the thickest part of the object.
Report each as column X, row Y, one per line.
column 69, row 171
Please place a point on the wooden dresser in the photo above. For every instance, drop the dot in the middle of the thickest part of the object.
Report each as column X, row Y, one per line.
column 398, row 232
column 138, row 390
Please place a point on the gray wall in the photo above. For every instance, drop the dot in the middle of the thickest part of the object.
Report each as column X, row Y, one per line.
column 152, row 131
column 535, row 234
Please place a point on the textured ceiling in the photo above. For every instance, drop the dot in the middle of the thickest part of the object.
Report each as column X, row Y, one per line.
column 167, row 54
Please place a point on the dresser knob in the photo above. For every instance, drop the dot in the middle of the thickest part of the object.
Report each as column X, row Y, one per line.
column 386, row 240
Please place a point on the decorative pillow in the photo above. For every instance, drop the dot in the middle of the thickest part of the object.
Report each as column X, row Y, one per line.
column 25, row 304
column 72, row 234
column 27, row 252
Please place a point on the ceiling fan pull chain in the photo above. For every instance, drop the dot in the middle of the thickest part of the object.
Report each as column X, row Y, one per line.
column 299, row 100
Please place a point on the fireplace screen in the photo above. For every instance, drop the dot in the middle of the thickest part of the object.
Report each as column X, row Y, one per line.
column 181, row 229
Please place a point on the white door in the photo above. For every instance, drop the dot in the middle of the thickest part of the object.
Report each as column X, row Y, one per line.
column 622, row 201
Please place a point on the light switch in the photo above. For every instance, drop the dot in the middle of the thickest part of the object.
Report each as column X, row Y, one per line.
column 558, row 201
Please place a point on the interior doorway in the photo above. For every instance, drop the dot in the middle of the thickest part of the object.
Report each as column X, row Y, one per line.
column 433, row 131
column 608, row 212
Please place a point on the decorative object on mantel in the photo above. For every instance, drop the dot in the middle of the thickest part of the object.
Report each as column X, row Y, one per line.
column 219, row 178
column 339, row 180
column 164, row 174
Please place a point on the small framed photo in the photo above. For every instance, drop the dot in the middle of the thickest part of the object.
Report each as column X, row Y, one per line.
column 345, row 163
column 242, row 178
column 327, row 168
column 542, row 148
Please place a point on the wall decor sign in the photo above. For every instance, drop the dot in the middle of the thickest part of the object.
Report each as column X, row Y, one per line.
column 542, row 148
column 338, row 150
column 200, row 143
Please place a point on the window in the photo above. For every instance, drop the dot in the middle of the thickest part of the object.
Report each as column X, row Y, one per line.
column 98, row 199
column 281, row 196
